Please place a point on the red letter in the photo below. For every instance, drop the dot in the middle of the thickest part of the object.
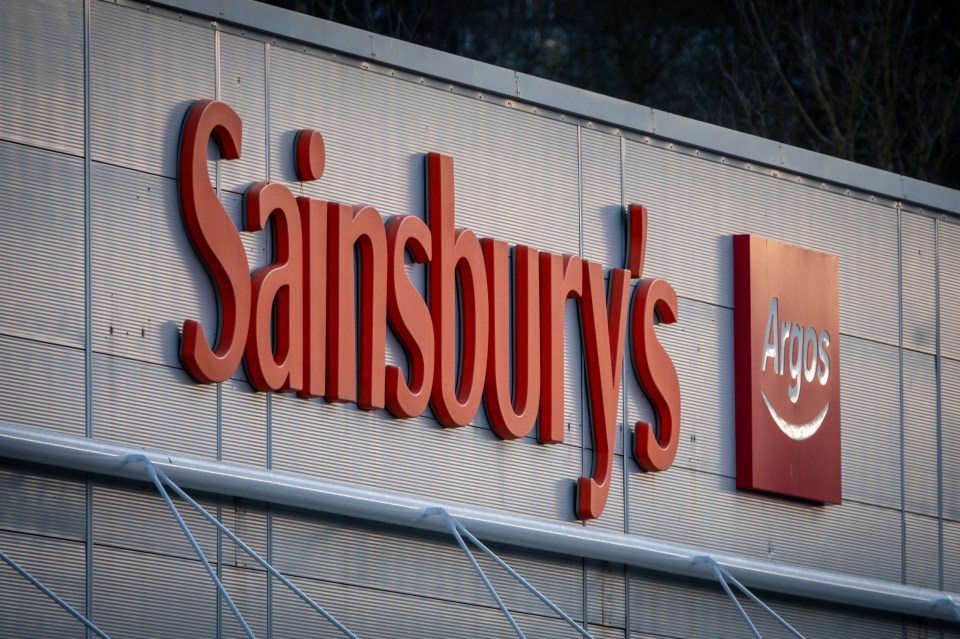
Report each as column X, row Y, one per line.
column 455, row 254
column 365, row 230
column 511, row 420
column 636, row 239
column 215, row 239
column 658, row 377
column 313, row 219
column 561, row 277
column 281, row 283
column 603, row 352
column 409, row 317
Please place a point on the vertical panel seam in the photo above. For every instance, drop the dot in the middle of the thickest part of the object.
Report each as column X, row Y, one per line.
column 269, row 398
column 626, row 429
column 219, row 411
column 939, row 374
column 903, row 490
column 87, row 312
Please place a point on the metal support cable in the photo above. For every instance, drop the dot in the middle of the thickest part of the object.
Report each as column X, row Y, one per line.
column 513, row 573
column 273, row 571
column 193, row 542
column 733, row 598
column 486, row 582
column 756, row 600
column 63, row 604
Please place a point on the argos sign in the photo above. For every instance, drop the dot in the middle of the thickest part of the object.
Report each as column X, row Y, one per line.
column 787, row 338
column 295, row 324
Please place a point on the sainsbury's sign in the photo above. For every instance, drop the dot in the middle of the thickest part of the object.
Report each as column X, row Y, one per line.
column 295, row 326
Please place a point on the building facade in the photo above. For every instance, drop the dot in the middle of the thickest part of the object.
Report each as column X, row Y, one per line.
column 353, row 226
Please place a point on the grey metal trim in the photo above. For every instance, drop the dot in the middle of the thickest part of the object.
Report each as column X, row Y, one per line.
column 94, row 456
column 553, row 95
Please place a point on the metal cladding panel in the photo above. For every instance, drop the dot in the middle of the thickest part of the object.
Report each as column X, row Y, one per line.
column 948, row 234
column 59, row 565
column 43, row 225
column 700, row 344
column 135, row 517
column 243, row 87
column 920, row 433
column 665, row 606
column 41, row 45
column 515, row 172
column 433, row 566
column 614, row 514
column 604, row 222
column 248, row 589
column 923, row 569
column 137, row 105
column 463, row 465
column 135, row 594
column 41, row 503
column 400, row 616
column 243, row 424
column 950, row 437
column 153, row 406
column 146, row 277
column 695, row 206
column 705, row 511
column 606, row 585
column 32, row 367
column 951, row 555
column 919, row 282
column 869, row 406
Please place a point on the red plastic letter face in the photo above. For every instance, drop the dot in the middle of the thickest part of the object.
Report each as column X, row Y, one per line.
column 410, row 318
column 276, row 366
column 363, row 228
column 513, row 419
column 216, row 240
column 603, row 339
column 313, row 221
column 658, row 377
column 457, row 259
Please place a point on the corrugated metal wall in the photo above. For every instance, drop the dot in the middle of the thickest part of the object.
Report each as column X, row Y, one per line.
column 98, row 276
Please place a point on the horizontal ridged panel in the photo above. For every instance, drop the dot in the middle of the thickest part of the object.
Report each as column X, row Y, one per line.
column 243, row 429
column 694, row 206
column 144, row 596
column 950, row 437
column 32, row 367
column 920, row 433
column 700, row 344
column 606, row 585
column 951, row 556
column 42, row 503
column 242, row 86
column 666, row 606
column 135, row 517
column 919, row 283
column 41, row 247
column 870, row 422
column 705, row 511
column 923, row 568
column 603, row 212
column 41, row 45
column 25, row 613
column 147, row 279
column 248, row 589
column 613, row 515
column 153, row 406
column 388, row 615
column 138, row 104
column 417, row 456
column 336, row 550
column 516, row 173
column 949, row 271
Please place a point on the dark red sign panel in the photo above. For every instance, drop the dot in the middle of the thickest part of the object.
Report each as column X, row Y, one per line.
column 787, row 338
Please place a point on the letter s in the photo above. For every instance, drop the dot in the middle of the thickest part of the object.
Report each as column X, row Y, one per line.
column 658, row 376
column 216, row 240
